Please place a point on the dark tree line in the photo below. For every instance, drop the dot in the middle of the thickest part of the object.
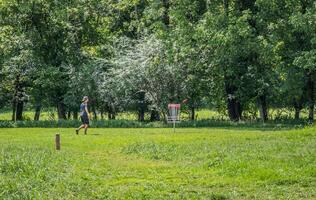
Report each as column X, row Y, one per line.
column 238, row 56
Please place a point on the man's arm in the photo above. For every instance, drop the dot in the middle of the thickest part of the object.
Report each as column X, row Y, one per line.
column 86, row 108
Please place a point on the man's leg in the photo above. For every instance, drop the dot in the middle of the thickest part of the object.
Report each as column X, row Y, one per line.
column 80, row 127
column 85, row 129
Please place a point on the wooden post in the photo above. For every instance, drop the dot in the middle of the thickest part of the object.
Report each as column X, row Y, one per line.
column 57, row 141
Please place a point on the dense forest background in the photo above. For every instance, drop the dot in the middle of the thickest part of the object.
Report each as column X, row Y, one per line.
column 240, row 57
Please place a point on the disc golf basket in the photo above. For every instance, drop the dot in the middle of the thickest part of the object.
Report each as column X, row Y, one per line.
column 173, row 115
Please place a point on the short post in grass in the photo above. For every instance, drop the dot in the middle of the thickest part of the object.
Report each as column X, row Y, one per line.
column 173, row 115
column 57, row 141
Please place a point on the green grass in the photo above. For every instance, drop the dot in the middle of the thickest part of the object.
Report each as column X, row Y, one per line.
column 158, row 164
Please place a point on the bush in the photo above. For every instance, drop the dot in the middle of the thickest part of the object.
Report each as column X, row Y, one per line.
column 276, row 124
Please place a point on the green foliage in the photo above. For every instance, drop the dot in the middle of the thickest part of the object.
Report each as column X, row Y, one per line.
column 280, row 123
column 237, row 56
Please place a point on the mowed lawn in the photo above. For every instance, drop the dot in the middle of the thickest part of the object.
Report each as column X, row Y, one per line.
column 158, row 164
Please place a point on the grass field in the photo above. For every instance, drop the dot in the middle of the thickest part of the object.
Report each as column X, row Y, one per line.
column 211, row 164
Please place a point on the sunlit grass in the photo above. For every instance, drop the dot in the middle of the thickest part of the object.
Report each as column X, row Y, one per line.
column 158, row 164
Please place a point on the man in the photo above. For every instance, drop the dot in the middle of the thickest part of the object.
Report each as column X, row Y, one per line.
column 84, row 115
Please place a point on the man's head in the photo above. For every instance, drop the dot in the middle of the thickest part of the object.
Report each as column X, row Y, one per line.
column 85, row 99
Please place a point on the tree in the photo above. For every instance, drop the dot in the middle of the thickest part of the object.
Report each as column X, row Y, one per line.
column 140, row 68
column 185, row 53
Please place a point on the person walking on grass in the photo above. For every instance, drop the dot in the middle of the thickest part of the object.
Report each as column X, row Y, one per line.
column 84, row 115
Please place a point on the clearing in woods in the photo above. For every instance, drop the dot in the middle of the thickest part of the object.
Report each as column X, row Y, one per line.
column 196, row 163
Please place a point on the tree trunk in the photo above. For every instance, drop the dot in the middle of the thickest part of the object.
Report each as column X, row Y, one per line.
column 102, row 110
column 298, row 106
column 38, row 108
column 311, row 98
column 101, row 113
column 17, row 103
column 111, row 116
column 141, row 106
column 165, row 16
column 192, row 113
column 19, row 110
column 75, row 115
column 154, row 115
column 233, row 105
column 111, row 112
column 297, row 113
column 95, row 116
column 263, row 108
column 311, row 113
column 69, row 114
column 61, row 110
column 234, row 109
column 141, row 116
column 13, row 110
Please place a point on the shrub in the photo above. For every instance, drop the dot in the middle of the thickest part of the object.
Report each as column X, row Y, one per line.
column 276, row 124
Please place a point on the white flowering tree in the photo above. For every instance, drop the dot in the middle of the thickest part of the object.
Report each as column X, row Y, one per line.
column 141, row 75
